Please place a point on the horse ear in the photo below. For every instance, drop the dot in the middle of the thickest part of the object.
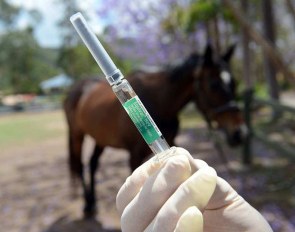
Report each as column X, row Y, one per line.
column 228, row 54
column 208, row 55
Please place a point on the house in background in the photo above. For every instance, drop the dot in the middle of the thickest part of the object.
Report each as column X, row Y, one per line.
column 56, row 84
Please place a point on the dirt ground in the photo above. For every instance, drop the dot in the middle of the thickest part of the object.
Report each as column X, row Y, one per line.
column 35, row 194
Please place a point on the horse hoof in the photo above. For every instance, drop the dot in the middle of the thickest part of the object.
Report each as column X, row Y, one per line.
column 89, row 213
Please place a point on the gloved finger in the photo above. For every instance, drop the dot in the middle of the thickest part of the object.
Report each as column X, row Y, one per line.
column 156, row 190
column 134, row 183
column 196, row 164
column 237, row 214
column 199, row 164
column 195, row 191
column 190, row 221
column 223, row 195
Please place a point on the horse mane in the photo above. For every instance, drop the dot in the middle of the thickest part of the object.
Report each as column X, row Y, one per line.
column 177, row 71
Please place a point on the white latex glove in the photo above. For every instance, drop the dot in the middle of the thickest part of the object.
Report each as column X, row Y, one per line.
column 183, row 194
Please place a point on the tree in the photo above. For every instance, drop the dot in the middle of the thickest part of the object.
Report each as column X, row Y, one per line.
column 271, row 52
column 291, row 8
column 74, row 58
column 246, row 50
column 203, row 12
column 269, row 33
column 142, row 32
column 22, row 61
column 68, row 33
column 22, row 66
column 76, row 61
column 67, row 52
column 8, row 13
column 209, row 10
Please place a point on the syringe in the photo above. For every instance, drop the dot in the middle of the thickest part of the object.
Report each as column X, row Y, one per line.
column 123, row 90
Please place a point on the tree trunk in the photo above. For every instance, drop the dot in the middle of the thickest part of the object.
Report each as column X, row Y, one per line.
column 291, row 8
column 227, row 33
column 208, row 33
column 269, row 33
column 212, row 33
column 258, row 38
column 248, row 94
column 216, row 36
column 246, row 51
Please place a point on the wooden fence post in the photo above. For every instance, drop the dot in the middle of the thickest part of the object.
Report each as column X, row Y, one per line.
column 247, row 151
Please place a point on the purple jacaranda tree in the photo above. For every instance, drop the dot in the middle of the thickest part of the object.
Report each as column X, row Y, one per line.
column 135, row 31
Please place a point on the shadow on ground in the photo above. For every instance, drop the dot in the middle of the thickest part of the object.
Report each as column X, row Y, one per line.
column 35, row 194
column 65, row 224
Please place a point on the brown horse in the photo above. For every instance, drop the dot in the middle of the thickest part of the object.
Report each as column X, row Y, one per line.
column 92, row 108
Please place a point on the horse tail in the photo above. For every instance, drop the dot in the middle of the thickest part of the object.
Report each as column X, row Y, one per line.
column 75, row 134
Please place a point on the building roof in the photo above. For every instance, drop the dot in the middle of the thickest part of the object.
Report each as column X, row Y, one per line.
column 59, row 81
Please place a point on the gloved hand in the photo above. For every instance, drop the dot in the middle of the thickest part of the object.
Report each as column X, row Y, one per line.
column 183, row 194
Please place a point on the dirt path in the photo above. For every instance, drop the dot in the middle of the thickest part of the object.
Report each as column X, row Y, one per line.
column 35, row 194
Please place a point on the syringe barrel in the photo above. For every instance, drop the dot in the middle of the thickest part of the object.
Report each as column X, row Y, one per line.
column 140, row 117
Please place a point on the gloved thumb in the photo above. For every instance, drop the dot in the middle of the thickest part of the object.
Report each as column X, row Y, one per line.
column 196, row 191
column 190, row 221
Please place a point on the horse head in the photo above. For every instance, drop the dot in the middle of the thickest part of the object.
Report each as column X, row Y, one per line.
column 215, row 95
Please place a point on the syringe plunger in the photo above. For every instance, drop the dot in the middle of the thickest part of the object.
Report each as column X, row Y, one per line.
column 95, row 47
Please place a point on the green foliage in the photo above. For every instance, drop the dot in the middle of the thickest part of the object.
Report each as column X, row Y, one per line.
column 22, row 64
column 74, row 58
column 7, row 12
column 77, row 61
column 122, row 63
column 176, row 17
column 68, row 32
column 261, row 90
column 126, row 66
column 198, row 11
column 228, row 16
column 204, row 10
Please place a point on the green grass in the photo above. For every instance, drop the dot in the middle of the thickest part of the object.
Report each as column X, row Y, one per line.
column 29, row 128
column 24, row 129
column 190, row 118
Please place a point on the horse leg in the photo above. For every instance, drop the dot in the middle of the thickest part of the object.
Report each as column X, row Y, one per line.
column 75, row 159
column 90, row 199
column 170, row 130
column 137, row 155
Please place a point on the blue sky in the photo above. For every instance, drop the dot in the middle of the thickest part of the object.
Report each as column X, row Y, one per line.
column 46, row 32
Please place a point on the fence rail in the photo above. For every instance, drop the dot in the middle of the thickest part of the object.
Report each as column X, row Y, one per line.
column 249, row 102
column 275, row 105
